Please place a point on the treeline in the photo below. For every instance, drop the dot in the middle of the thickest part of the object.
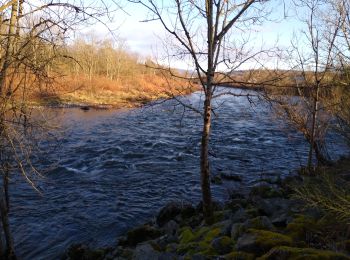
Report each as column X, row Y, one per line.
column 103, row 72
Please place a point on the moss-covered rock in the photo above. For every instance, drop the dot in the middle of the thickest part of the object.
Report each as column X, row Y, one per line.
column 260, row 241
column 301, row 226
column 222, row 245
column 266, row 191
column 260, row 222
column 140, row 234
column 285, row 252
column 237, row 255
column 186, row 235
column 82, row 252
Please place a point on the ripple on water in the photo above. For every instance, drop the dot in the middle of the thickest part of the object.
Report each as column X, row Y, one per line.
column 118, row 168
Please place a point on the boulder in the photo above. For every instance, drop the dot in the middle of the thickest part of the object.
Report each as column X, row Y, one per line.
column 261, row 241
column 171, row 228
column 260, row 222
column 145, row 252
column 236, row 255
column 286, row 252
column 172, row 210
column 239, row 216
column 140, row 234
column 236, row 230
column 222, row 245
column 272, row 206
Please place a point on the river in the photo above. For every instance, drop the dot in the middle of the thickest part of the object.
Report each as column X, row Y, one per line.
column 117, row 168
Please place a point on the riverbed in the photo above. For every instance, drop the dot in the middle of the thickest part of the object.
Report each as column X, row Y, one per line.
column 115, row 169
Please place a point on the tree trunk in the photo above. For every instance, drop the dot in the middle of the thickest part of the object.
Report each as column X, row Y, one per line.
column 205, row 169
column 10, row 253
column 313, row 127
column 11, row 35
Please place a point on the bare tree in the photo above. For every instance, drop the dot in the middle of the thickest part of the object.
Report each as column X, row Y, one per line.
column 313, row 65
column 30, row 40
column 202, row 35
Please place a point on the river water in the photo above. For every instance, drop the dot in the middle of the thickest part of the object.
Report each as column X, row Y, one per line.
column 117, row 168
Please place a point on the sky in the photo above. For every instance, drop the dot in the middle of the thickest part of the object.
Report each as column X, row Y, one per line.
column 146, row 38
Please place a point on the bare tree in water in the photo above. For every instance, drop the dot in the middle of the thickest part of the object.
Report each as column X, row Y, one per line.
column 214, row 38
column 31, row 38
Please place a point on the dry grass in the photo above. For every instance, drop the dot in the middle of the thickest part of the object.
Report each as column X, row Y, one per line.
column 126, row 92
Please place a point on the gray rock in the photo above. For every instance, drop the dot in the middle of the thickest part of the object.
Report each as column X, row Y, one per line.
column 273, row 206
column 174, row 209
column 222, row 245
column 168, row 256
column 281, row 220
column 225, row 227
column 246, row 243
column 145, row 252
column 236, row 230
column 239, row 216
column 260, row 222
column 171, row 228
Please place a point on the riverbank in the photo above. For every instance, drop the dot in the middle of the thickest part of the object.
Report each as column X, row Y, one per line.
column 271, row 222
column 103, row 93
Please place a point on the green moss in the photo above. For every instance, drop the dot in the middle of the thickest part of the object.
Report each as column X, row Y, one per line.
column 285, row 252
column 208, row 252
column 261, row 241
column 225, row 241
column 198, row 234
column 186, row 235
column 188, row 248
column 239, row 256
column 301, row 226
column 211, row 234
column 268, row 239
column 260, row 222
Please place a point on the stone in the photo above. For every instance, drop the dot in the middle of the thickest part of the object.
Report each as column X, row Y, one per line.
column 236, row 230
column 236, row 255
column 172, row 210
column 260, row 222
column 171, row 228
column 281, row 220
column 145, row 252
column 273, row 206
column 261, row 241
column 265, row 191
column 140, row 234
column 286, row 252
column 222, row 245
column 239, row 216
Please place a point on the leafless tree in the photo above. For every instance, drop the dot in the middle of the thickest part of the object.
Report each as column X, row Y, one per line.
column 213, row 36
column 30, row 40
column 313, row 52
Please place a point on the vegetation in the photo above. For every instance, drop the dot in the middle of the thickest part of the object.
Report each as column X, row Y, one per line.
column 100, row 74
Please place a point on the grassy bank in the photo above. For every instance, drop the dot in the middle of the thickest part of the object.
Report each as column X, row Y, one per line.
column 103, row 92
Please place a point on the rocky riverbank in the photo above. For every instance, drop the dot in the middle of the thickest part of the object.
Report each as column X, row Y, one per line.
column 267, row 223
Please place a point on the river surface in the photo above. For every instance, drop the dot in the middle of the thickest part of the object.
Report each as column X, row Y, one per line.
column 117, row 168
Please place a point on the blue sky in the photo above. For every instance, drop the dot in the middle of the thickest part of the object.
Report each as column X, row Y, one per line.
column 145, row 38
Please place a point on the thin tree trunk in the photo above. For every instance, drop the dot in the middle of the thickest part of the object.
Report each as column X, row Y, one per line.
column 205, row 169
column 10, row 253
column 313, row 127
column 10, row 47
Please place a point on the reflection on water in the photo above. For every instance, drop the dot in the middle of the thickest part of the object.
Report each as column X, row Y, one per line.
column 117, row 168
